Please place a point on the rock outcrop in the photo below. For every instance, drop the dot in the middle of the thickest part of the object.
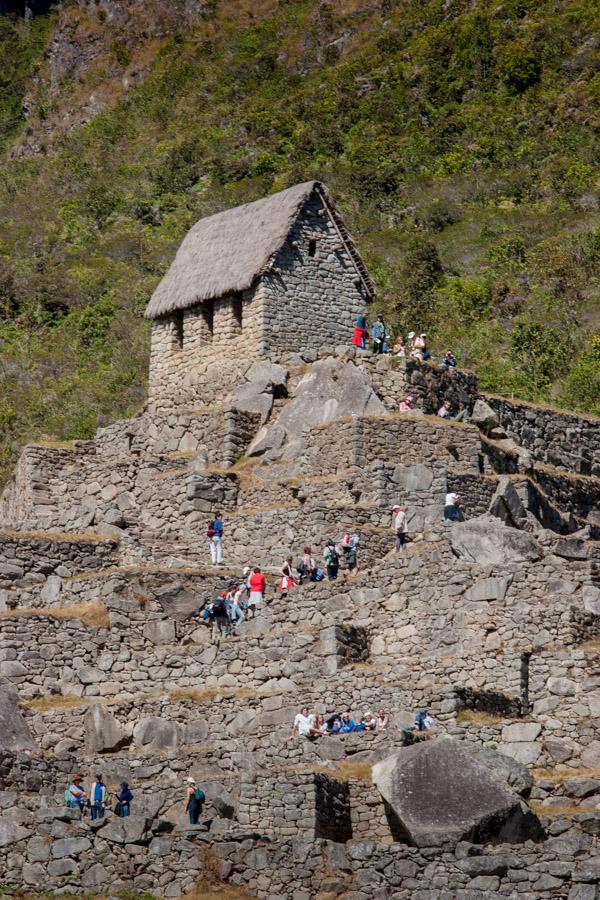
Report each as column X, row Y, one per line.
column 439, row 794
column 14, row 733
column 332, row 389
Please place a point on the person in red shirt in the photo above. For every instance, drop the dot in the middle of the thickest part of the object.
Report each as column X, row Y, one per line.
column 361, row 335
column 257, row 584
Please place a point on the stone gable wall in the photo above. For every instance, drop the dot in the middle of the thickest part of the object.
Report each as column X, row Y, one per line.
column 311, row 301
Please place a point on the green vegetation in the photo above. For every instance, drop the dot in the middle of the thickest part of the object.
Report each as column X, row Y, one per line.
column 461, row 143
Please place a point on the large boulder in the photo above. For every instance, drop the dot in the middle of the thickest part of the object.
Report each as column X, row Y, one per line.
column 330, row 390
column 484, row 416
column 488, row 542
column 506, row 504
column 103, row 734
column 264, row 381
column 130, row 830
column 438, row 793
column 14, row 733
column 154, row 733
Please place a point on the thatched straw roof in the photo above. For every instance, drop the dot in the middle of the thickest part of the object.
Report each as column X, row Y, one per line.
column 227, row 252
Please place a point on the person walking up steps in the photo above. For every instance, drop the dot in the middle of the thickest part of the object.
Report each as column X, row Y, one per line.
column 214, row 534
column 331, row 558
column 399, row 514
column 194, row 800
column 258, row 585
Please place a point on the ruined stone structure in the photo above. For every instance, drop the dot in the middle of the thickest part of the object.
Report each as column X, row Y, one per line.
column 280, row 274
column 493, row 624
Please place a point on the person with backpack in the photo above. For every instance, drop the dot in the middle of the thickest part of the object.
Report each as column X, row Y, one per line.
column 331, row 558
column 98, row 797
column 218, row 618
column 75, row 796
column 124, row 798
column 194, row 801
column 306, row 566
column 349, row 546
column 214, row 533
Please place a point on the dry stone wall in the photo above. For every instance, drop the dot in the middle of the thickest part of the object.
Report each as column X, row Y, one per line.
column 566, row 441
column 493, row 629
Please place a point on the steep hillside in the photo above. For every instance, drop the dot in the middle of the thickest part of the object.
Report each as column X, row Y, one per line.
column 459, row 138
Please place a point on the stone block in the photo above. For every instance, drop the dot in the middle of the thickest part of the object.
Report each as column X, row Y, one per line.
column 521, row 731
column 160, row 631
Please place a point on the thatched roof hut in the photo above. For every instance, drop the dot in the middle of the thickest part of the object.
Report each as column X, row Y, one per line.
column 227, row 252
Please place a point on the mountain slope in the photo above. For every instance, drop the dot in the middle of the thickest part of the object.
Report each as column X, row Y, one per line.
column 460, row 140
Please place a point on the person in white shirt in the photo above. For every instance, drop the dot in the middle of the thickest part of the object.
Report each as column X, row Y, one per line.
column 399, row 515
column 303, row 723
column 452, row 511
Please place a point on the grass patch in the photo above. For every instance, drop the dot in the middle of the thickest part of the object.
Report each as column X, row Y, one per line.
column 590, row 646
column 203, row 695
column 94, row 614
column 54, row 445
column 347, row 770
column 58, row 537
column 559, row 776
column 566, row 810
column 45, row 704
column 477, row 717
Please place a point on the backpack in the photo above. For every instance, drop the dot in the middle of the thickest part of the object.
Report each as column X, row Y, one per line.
column 210, row 528
column 332, row 556
column 219, row 609
column 67, row 796
column 318, row 575
column 199, row 795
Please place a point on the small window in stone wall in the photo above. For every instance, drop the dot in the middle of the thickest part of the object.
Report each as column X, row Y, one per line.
column 238, row 308
column 312, row 247
column 178, row 329
column 208, row 312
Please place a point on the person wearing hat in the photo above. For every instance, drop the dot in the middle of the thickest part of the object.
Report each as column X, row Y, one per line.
column 378, row 333
column 77, row 795
column 399, row 516
column 124, row 798
column 98, row 797
column 194, row 800
column 406, row 404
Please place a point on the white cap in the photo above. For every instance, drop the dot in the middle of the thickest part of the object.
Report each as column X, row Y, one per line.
column 191, row 780
column 396, row 506
column 411, row 334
